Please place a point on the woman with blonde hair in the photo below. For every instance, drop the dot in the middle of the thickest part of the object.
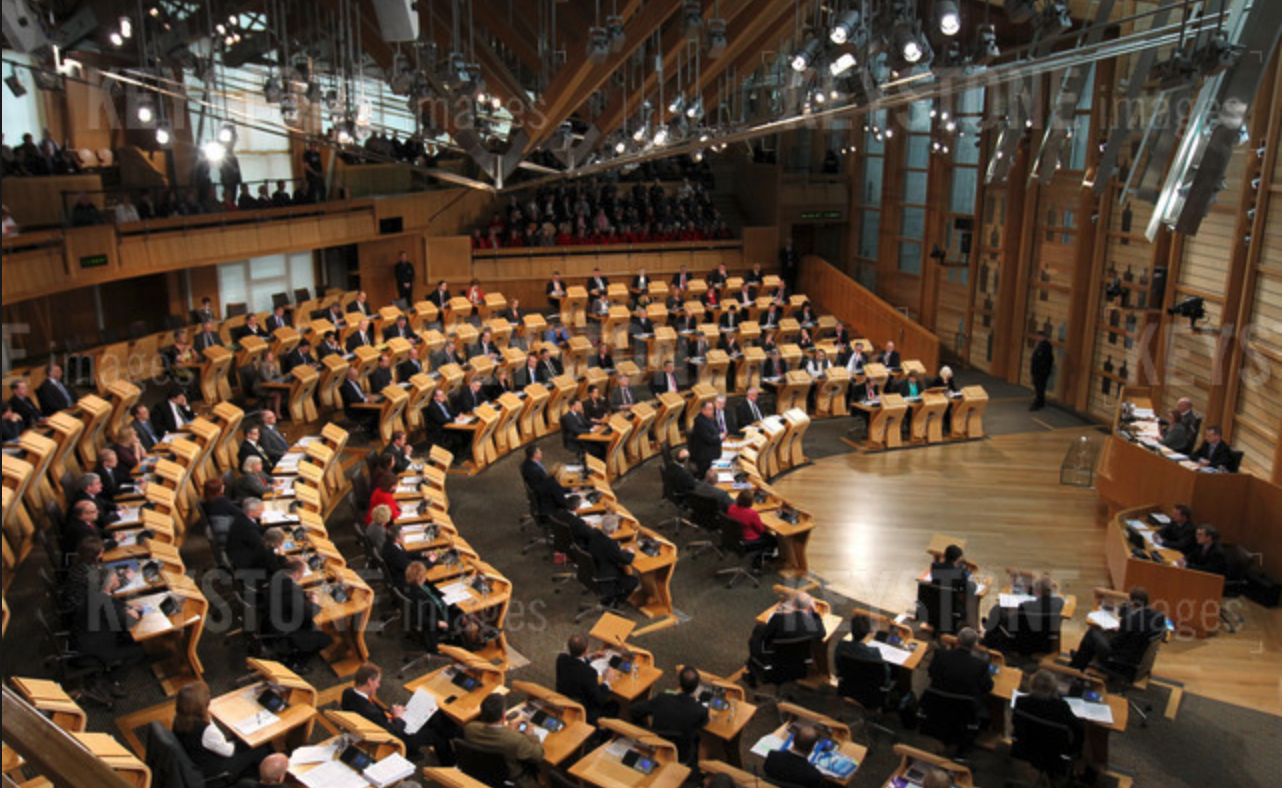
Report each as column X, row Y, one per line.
column 128, row 448
column 376, row 531
column 267, row 370
column 205, row 743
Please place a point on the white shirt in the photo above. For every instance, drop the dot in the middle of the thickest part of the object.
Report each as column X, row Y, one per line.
column 214, row 741
column 126, row 213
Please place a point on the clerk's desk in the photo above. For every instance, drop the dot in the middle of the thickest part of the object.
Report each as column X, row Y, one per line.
column 915, row 764
column 827, row 728
column 1242, row 506
column 293, row 726
column 724, row 729
column 821, row 670
column 604, row 768
column 460, row 686
column 562, row 744
column 1191, row 599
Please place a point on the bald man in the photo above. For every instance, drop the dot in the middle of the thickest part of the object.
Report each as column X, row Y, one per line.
column 271, row 771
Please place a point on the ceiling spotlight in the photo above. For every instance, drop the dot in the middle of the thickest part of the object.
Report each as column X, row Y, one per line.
column 288, row 109
column 116, row 39
column 832, row 94
column 697, row 156
column 844, row 30
column 692, row 19
column 1056, row 18
column 15, row 85
column 145, row 112
column 947, row 18
column 987, row 48
column 598, row 45
column 126, row 27
column 805, row 56
column 661, row 137
column 155, row 12
column 227, row 134
column 908, row 44
column 614, row 28
column 842, row 64
column 716, row 38
column 163, row 135
column 620, row 147
column 272, row 91
column 1021, row 11
column 496, row 103
column 213, row 151
column 704, row 137
column 220, row 30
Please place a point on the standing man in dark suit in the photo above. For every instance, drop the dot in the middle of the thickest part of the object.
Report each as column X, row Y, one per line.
column 1138, row 626
column 792, row 766
column 53, row 394
column 789, row 261
column 362, row 698
column 577, row 680
column 23, row 405
column 174, row 414
column 1040, row 366
column 678, row 714
column 1214, row 452
column 404, row 273
column 704, row 440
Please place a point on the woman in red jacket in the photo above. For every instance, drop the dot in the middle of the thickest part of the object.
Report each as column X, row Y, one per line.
column 755, row 533
column 384, row 494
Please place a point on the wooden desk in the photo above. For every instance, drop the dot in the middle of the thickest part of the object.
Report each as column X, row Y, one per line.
column 603, row 767
column 724, row 729
column 793, row 391
column 574, row 307
column 831, row 398
column 748, row 368
column 356, row 730
column 915, row 764
column 928, row 417
column 345, row 622
column 293, row 726
column 968, row 413
column 828, row 728
column 481, row 424
column 49, row 698
column 173, row 639
column 123, row 762
column 667, row 425
column 793, row 541
column 532, row 422
column 654, row 596
column 460, row 704
column 792, row 449
column 562, row 744
column 821, row 671
column 612, row 632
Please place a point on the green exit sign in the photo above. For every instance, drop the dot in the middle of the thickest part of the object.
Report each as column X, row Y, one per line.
column 93, row 261
column 820, row 215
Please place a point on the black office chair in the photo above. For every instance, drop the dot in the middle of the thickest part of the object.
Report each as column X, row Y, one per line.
column 1046, row 746
column 948, row 717
column 1123, row 675
column 942, row 608
column 585, row 572
column 863, row 686
column 562, row 537
column 47, row 539
column 302, row 294
column 705, row 514
column 248, row 378
column 411, row 627
column 687, row 746
column 72, row 669
column 676, row 499
column 1235, row 460
column 280, row 299
column 781, row 661
column 484, row 764
column 171, row 766
column 535, row 516
column 747, row 552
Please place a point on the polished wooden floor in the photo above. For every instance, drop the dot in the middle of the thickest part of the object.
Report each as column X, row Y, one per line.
column 877, row 512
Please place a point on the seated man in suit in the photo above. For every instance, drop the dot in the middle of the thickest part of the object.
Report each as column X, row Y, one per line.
column 792, row 767
column 470, row 397
column 1044, row 702
column 1207, row 555
column 850, row 652
column 612, row 561
column 1214, row 452
column 395, row 556
column 360, row 305
column 665, row 380
column 252, row 328
column 24, row 405
column 952, row 571
column 696, row 354
column 723, row 417
column 521, row 751
column 53, row 394
column 485, row 346
column 1138, row 626
column 381, row 376
column 676, row 714
column 410, row 367
column 555, row 291
column 362, row 698
column 890, row 356
column 577, row 680
column 329, row 346
column 292, row 614
column 750, row 411
column 271, row 772
column 173, row 414
column 439, row 417
column 144, row 430
column 594, row 407
column 244, row 546
column 251, row 446
column 795, row 618
column 271, row 439
column 707, row 488
column 400, row 452
column 89, row 488
column 683, row 482
column 549, row 366
column 575, row 424
column 961, row 671
column 353, row 395
column 361, row 337
column 277, row 319
column 400, row 330
column 1030, row 626
column 206, row 338
column 622, row 398
column 1179, row 533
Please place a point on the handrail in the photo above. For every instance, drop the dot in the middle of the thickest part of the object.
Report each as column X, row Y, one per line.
column 596, row 249
column 53, row 752
column 233, row 218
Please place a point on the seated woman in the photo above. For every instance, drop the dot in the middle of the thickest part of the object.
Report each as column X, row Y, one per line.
column 253, row 482
column 183, row 357
column 128, row 448
column 376, row 532
column 755, row 533
column 267, row 370
column 384, row 495
column 430, row 617
column 205, row 743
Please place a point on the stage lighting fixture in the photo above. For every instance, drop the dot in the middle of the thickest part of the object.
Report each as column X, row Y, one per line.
column 908, row 45
column 126, row 27
column 213, row 151
column 614, row 28
column 272, row 91
column 146, row 111
column 844, row 62
column 15, row 85
column 661, row 137
column 692, row 19
column 620, row 147
column 1056, row 18
column 805, row 56
column 946, row 17
column 844, row 30
column 227, row 134
column 598, row 45
column 163, row 135
column 1194, row 308
column 716, row 39
column 987, row 49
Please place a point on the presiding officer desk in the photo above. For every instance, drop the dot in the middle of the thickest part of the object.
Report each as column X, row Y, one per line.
column 1133, row 479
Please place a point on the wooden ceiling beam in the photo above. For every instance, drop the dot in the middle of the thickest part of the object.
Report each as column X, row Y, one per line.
column 514, row 29
column 498, row 78
column 579, row 77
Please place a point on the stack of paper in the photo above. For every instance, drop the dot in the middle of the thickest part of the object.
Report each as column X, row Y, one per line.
column 892, row 654
column 251, row 725
column 334, row 774
column 1091, row 712
column 305, row 755
column 1103, row 619
column 456, row 592
column 389, row 771
column 1014, row 600
column 418, row 711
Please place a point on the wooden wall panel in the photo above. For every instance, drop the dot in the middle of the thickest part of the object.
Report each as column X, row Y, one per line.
column 989, row 276
column 1054, row 261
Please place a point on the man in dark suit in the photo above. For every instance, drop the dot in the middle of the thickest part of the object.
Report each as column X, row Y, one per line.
column 485, row 346
column 404, row 273
column 961, row 671
column 360, row 305
column 792, row 767
column 399, row 451
column 277, row 320
column 173, row 414
column 724, row 418
column 399, row 330
column 352, row 395
column 381, row 376
column 250, row 446
column 696, row 354
column 549, row 367
column 440, row 297
column 360, row 337
column 1207, row 554
column 395, row 556
column 299, row 356
column 622, row 398
column 750, row 411
column 555, row 291
column 577, row 680
column 140, row 420
column 1138, row 626
column 245, row 549
column 575, row 424
column 23, row 405
column 683, row 482
column 89, row 488
column 851, row 655
column 271, row 772
column 598, row 284
column 677, row 714
column 271, row 439
column 951, row 571
column 640, row 283
column 665, row 380
column 774, row 367
column 53, row 394
column 530, row 373
column 116, row 481
column 532, row 471
column 328, row 346
column 206, row 338
column 362, row 698
column 470, row 397
column 205, row 314
column 82, row 522
column 611, row 562
column 251, row 328
column 1214, row 452
column 1029, row 627
column 292, row 613
column 1040, row 366
column 1180, row 533
column 595, row 408
column 410, row 367
column 439, row 418
column 681, row 278
column 730, row 320
column 704, row 439
column 336, row 317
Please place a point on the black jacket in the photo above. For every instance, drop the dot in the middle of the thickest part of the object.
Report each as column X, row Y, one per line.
column 611, row 560
column 578, row 681
column 164, row 421
column 52, row 399
column 1218, row 456
column 1208, row 559
column 704, row 441
column 960, row 672
column 397, row 560
column 790, row 768
column 675, row 714
column 354, row 702
column 1043, row 360
column 746, row 416
column 245, row 548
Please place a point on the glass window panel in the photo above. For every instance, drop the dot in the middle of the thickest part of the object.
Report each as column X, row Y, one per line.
column 971, row 102
column 872, row 181
column 913, row 224
column 1078, row 144
column 869, row 231
column 918, row 155
column 269, row 267
column 919, row 116
column 915, row 187
column 965, row 181
column 21, row 115
column 910, row 257
column 966, row 149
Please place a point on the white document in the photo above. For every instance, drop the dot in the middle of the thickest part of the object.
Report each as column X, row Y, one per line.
column 725, row 477
column 305, row 755
column 1014, row 600
column 456, row 592
column 276, row 517
column 601, row 665
column 619, row 747
column 334, row 774
column 418, row 711
column 767, row 744
column 308, row 441
column 1103, row 619
column 892, row 654
column 251, row 725
column 1091, row 712
column 128, row 514
column 389, row 771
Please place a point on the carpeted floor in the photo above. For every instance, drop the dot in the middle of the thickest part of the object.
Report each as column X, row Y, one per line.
column 1207, row 744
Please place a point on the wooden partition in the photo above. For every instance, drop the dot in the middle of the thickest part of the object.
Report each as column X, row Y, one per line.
column 866, row 314
column 38, row 201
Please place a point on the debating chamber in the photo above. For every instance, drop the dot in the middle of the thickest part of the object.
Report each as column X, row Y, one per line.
column 641, row 393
